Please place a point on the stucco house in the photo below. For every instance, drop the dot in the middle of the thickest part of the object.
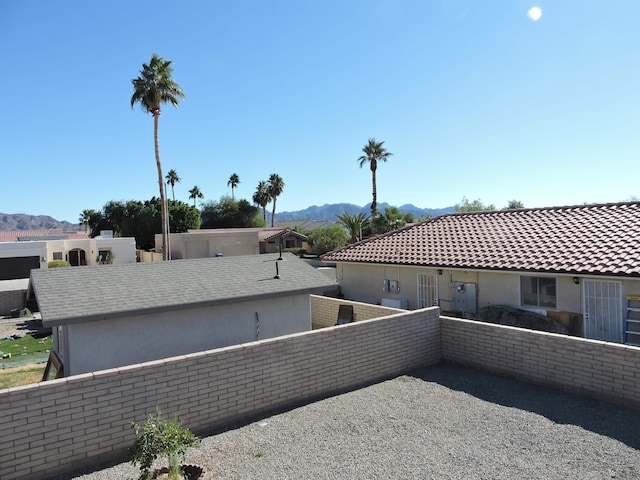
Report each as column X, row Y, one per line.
column 230, row 242
column 116, row 315
column 274, row 239
column 579, row 265
column 23, row 250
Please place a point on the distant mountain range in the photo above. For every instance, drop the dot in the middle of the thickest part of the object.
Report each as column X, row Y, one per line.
column 326, row 213
column 21, row 221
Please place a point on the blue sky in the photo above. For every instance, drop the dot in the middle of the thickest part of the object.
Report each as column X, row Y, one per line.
column 474, row 99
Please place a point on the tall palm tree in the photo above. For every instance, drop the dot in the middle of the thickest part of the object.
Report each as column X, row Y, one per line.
column 234, row 180
column 276, row 185
column 354, row 224
column 151, row 89
column 173, row 178
column 374, row 152
column 195, row 193
column 85, row 219
column 262, row 197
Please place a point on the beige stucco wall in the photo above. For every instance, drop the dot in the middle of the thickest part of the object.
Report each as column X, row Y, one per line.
column 25, row 249
column 208, row 243
column 364, row 283
column 124, row 249
column 113, row 343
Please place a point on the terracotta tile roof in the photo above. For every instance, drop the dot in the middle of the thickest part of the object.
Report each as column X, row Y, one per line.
column 265, row 236
column 599, row 239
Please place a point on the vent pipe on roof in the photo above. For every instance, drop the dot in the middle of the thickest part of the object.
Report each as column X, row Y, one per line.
column 277, row 272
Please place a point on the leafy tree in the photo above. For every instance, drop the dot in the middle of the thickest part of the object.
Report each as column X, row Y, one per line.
column 151, row 89
column 276, row 185
column 355, row 224
column 142, row 220
column 172, row 178
column 475, row 206
column 233, row 182
column 229, row 213
column 323, row 240
column 262, row 197
column 513, row 205
column 183, row 217
column 195, row 193
column 374, row 152
column 87, row 218
column 391, row 219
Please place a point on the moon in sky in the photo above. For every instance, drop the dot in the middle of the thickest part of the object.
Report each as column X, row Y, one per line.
column 534, row 13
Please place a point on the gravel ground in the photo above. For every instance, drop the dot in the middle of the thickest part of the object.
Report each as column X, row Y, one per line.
column 442, row 422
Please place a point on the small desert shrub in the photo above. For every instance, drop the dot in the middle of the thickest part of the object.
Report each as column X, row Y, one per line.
column 58, row 264
column 157, row 437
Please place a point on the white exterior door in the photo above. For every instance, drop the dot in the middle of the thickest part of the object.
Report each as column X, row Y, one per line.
column 427, row 290
column 603, row 312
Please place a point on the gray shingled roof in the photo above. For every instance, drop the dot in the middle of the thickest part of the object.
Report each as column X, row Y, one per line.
column 599, row 239
column 79, row 294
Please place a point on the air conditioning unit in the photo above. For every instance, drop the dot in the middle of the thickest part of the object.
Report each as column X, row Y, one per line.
column 395, row 303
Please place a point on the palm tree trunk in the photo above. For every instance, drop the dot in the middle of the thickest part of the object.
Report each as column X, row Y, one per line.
column 163, row 201
column 273, row 214
column 374, row 203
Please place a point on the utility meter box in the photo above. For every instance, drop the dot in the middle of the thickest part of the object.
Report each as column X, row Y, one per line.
column 464, row 297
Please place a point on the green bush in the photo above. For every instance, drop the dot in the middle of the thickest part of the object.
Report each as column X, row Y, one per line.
column 157, row 437
column 58, row 264
column 323, row 240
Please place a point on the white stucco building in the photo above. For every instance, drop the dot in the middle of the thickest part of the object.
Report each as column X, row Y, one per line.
column 22, row 251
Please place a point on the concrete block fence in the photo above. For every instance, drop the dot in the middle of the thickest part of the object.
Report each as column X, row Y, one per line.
column 11, row 299
column 600, row 370
column 324, row 311
column 62, row 425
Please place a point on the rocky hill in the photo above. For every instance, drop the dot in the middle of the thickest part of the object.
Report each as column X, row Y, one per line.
column 21, row 221
column 328, row 212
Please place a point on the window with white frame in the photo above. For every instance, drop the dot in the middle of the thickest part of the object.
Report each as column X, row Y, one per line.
column 57, row 255
column 538, row 292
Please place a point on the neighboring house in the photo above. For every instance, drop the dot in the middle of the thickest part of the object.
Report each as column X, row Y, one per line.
column 118, row 315
column 228, row 242
column 23, row 250
column 212, row 242
column 580, row 265
column 273, row 240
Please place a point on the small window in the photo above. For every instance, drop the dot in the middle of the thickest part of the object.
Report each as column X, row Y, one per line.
column 538, row 292
column 57, row 255
column 290, row 244
column 104, row 256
